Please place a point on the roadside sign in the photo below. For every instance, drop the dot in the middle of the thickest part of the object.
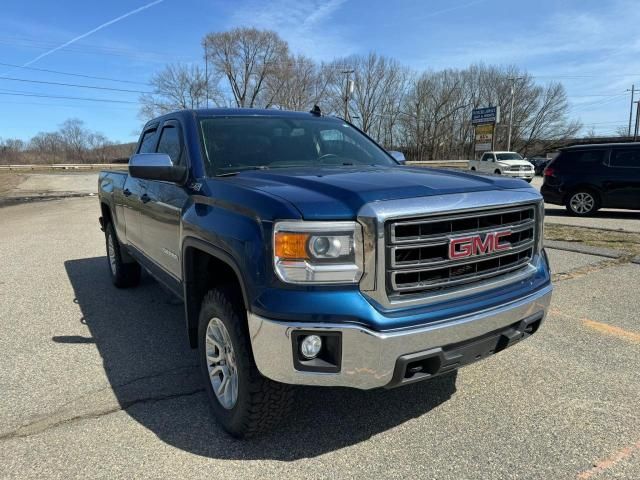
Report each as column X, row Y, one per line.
column 485, row 115
column 484, row 137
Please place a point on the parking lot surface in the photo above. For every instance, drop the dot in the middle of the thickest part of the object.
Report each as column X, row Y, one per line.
column 100, row 382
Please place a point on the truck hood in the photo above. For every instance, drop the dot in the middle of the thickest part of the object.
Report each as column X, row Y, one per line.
column 516, row 163
column 339, row 192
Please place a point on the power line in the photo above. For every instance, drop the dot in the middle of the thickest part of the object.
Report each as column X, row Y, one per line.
column 73, row 85
column 28, row 94
column 62, row 105
column 73, row 74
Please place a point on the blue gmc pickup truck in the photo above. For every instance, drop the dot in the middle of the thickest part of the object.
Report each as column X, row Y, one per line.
column 305, row 254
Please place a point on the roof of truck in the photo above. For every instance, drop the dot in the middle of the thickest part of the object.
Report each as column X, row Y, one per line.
column 232, row 112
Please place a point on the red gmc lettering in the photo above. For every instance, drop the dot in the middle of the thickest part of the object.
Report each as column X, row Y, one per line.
column 464, row 247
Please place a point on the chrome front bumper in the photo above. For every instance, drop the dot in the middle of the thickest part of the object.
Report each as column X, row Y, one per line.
column 368, row 357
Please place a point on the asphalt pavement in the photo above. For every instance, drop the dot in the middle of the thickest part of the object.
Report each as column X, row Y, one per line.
column 100, row 382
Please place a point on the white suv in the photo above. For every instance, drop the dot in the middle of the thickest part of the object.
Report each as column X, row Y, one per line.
column 504, row 163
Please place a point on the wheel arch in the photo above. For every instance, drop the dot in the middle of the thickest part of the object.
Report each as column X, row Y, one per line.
column 205, row 266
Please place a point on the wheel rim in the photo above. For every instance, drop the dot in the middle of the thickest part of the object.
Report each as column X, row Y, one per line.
column 111, row 253
column 582, row 202
column 221, row 363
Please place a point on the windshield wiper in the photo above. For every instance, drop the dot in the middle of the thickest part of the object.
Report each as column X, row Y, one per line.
column 242, row 169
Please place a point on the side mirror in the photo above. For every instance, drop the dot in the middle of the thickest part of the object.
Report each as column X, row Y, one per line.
column 156, row 166
column 398, row 157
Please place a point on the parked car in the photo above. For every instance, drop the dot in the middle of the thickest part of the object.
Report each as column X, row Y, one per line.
column 306, row 255
column 503, row 163
column 585, row 178
column 539, row 164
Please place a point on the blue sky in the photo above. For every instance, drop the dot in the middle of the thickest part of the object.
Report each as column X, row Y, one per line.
column 588, row 45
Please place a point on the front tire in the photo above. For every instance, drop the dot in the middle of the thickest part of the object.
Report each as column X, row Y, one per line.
column 123, row 275
column 241, row 399
column 498, row 172
column 582, row 203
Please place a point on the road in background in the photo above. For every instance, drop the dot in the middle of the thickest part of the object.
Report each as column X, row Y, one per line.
column 98, row 381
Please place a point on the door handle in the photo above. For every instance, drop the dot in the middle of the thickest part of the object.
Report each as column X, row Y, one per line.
column 145, row 198
column 126, row 192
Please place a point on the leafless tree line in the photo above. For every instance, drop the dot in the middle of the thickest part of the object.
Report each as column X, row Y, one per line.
column 426, row 114
column 71, row 143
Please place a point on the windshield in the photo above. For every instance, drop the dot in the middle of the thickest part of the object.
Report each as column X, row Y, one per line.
column 233, row 144
column 508, row 156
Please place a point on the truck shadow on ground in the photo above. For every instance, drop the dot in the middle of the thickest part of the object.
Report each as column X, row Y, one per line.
column 141, row 337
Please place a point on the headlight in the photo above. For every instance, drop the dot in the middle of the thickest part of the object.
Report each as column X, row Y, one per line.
column 318, row 252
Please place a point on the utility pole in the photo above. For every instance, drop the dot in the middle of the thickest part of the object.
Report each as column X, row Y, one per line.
column 635, row 132
column 513, row 90
column 633, row 87
column 347, row 92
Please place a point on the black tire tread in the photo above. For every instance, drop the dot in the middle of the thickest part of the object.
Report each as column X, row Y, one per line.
column 128, row 274
column 266, row 401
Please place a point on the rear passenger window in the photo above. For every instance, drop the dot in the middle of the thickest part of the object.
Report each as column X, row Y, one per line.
column 585, row 159
column 629, row 158
column 148, row 141
column 170, row 144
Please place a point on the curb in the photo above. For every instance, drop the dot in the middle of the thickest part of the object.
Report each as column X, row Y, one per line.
column 8, row 201
column 580, row 248
column 617, row 230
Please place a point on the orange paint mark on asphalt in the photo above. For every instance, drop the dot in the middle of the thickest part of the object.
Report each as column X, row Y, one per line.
column 607, row 463
column 600, row 327
column 611, row 330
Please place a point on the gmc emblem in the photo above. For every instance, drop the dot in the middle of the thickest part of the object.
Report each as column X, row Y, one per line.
column 473, row 245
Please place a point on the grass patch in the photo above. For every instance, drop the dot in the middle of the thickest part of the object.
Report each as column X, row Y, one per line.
column 621, row 241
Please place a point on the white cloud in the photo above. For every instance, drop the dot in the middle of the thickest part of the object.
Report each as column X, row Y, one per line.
column 307, row 25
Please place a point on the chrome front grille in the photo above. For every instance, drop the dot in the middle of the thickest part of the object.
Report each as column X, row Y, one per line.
column 418, row 257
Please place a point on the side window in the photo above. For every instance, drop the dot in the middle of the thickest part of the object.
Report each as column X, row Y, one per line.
column 586, row 159
column 629, row 158
column 148, row 141
column 170, row 144
column 485, row 158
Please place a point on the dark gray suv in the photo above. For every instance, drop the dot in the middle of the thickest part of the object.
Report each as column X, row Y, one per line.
column 585, row 178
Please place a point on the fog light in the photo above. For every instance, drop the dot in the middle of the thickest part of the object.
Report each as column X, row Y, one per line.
column 310, row 346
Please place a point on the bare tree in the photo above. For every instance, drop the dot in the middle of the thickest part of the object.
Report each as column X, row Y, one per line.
column 248, row 59
column 48, row 147
column 177, row 87
column 298, row 84
column 377, row 87
column 74, row 140
column 11, row 150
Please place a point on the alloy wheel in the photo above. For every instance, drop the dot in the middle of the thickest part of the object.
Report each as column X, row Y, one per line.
column 582, row 202
column 221, row 363
column 111, row 253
